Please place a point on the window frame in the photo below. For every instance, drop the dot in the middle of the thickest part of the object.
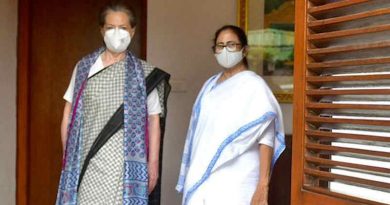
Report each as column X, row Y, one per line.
column 299, row 193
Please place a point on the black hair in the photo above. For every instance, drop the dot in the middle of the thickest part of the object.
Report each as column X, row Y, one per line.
column 117, row 6
column 240, row 33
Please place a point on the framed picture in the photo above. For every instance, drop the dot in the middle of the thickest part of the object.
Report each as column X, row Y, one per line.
column 269, row 25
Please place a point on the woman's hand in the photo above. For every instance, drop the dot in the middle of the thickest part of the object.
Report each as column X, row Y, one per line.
column 260, row 197
column 153, row 175
column 64, row 126
column 154, row 150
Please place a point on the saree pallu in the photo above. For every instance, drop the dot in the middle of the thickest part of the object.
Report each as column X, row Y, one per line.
column 220, row 162
column 135, row 178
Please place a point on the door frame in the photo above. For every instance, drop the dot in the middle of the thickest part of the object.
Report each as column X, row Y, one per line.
column 23, row 108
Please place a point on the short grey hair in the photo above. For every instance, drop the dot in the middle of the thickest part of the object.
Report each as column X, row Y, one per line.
column 117, row 6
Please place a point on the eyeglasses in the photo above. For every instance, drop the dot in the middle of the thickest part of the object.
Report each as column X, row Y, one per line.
column 231, row 46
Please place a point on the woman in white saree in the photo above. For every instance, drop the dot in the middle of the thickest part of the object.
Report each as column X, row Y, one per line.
column 235, row 134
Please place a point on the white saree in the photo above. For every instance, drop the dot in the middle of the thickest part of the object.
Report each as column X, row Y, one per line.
column 221, row 156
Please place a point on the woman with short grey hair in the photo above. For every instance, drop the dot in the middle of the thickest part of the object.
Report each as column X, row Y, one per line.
column 121, row 167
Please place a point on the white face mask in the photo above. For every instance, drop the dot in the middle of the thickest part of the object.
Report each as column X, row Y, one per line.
column 117, row 40
column 229, row 59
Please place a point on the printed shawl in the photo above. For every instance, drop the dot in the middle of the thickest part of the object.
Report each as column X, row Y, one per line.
column 135, row 179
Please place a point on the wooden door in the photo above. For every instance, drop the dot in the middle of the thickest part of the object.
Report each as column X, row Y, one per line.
column 53, row 36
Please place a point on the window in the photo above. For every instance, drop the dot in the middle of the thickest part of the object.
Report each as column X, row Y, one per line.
column 341, row 145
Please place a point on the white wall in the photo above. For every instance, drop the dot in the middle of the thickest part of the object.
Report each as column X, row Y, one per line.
column 8, row 33
column 180, row 34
